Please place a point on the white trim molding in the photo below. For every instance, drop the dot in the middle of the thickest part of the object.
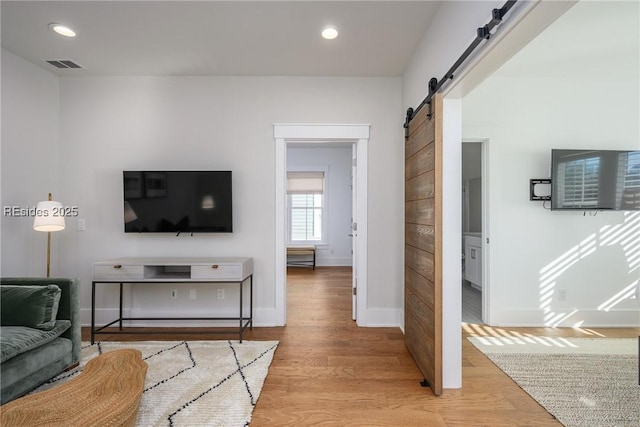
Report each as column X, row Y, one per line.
column 285, row 133
column 313, row 132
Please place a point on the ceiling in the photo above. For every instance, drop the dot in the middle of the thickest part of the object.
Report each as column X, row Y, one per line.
column 233, row 38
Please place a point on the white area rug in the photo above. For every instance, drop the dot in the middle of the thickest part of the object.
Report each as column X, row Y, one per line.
column 580, row 381
column 194, row 383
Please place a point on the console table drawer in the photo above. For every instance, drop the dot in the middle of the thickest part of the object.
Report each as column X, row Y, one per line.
column 117, row 271
column 217, row 271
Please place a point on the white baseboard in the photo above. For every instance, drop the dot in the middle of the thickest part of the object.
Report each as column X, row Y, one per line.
column 265, row 317
column 381, row 318
column 622, row 318
column 333, row 262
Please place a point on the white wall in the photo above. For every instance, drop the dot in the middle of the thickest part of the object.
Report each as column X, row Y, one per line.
column 30, row 163
column 111, row 124
column 564, row 90
column 337, row 163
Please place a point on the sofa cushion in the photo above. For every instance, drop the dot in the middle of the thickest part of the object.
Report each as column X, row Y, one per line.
column 16, row 340
column 32, row 306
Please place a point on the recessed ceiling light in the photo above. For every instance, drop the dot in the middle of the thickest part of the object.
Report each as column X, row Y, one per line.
column 63, row 30
column 330, row 33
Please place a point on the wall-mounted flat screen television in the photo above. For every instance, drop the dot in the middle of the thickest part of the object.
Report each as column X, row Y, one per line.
column 177, row 202
column 595, row 179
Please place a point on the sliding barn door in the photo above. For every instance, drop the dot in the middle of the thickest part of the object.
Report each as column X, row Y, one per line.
column 423, row 242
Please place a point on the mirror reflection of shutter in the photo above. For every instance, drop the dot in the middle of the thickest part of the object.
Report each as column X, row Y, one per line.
column 580, row 182
column 629, row 173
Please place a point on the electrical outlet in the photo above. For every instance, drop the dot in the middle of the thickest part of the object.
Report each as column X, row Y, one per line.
column 82, row 224
column 562, row 294
column 220, row 293
column 192, row 294
column 174, row 293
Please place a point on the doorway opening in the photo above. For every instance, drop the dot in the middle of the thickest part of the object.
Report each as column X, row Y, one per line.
column 320, row 228
column 312, row 135
column 474, row 231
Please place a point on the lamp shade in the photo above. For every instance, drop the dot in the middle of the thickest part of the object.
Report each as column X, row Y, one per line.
column 208, row 202
column 48, row 217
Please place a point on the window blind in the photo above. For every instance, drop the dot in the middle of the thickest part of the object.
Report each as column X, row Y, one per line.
column 305, row 182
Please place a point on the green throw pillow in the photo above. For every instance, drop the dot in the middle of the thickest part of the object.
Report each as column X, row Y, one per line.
column 32, row 306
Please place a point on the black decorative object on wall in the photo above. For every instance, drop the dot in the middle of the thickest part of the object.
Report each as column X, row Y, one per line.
column 540, row 189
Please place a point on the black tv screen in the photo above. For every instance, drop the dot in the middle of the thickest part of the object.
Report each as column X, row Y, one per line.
column 177, row 202
column 595, row 179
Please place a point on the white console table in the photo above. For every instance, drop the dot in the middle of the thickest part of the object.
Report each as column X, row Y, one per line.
column 172, row 270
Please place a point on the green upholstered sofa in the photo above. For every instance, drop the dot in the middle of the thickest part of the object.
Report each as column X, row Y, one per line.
column 35, row 350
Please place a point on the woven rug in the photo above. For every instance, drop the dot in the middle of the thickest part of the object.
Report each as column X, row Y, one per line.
column 580, row 381
column 194, row 383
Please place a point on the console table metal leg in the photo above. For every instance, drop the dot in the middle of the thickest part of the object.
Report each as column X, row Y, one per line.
column 251, row 302
column 120, row 323
column 240, row 329
column 93, row 311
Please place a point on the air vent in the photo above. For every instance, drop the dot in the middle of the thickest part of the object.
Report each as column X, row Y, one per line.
column 62, row 63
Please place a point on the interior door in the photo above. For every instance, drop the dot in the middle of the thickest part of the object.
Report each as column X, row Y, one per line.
column 423, row 242
column 354, row 231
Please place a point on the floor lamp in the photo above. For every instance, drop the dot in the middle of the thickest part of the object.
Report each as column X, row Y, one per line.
column 49, row 217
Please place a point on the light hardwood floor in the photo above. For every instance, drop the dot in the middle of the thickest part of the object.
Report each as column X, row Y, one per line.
column 327, row 371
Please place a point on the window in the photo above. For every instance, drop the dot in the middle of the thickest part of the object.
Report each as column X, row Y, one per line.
column 306, row 217
column 305, row 194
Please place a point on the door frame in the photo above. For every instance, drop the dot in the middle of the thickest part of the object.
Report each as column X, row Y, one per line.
column 285, row 133
column 354, row 230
